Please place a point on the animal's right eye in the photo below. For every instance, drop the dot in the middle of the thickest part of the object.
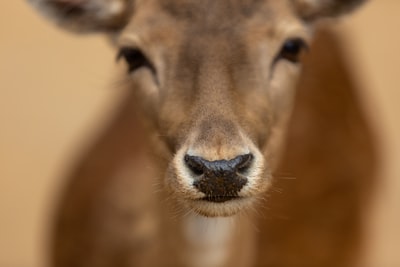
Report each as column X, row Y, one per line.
column 134, row 58
column 292, row 49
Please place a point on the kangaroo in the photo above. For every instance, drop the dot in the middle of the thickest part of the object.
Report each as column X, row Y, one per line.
column 213, row 86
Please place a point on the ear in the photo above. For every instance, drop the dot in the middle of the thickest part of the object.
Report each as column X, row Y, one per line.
column 86, row 15
column 314, row 9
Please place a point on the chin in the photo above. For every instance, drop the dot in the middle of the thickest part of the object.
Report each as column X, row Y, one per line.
column 220, row 207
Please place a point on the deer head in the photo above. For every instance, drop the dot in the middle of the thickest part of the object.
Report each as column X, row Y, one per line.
column 217, row 79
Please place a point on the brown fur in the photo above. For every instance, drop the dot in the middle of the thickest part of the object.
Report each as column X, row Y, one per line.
column 325, row 179
column 216, row 89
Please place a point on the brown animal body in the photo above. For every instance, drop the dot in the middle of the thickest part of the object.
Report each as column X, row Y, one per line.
column 185, row 182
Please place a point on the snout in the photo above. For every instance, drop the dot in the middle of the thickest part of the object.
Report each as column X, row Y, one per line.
column 220, row 185
column 218, row 170
column 219, row 180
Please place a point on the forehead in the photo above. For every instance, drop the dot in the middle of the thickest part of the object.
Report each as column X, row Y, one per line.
column 212, row 13
column 212, row 16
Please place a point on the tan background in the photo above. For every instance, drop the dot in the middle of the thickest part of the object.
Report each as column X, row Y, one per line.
column 56, row 90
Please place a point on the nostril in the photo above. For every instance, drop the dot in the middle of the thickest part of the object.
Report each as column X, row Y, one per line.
column 243, row 163
column 199, row 166
column 195, row 165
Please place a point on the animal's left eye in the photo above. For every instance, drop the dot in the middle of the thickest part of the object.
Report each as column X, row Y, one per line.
column 292, row 50
column 134, row 58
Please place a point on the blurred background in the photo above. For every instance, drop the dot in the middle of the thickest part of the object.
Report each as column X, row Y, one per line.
column 53, row 100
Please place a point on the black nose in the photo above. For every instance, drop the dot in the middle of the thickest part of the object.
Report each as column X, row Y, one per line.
column 220, row 180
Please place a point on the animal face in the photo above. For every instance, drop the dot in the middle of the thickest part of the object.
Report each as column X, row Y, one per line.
column 217, row 80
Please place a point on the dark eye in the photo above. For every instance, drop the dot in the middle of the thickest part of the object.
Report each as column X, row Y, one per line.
column 292, row 50
column 134, row 58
